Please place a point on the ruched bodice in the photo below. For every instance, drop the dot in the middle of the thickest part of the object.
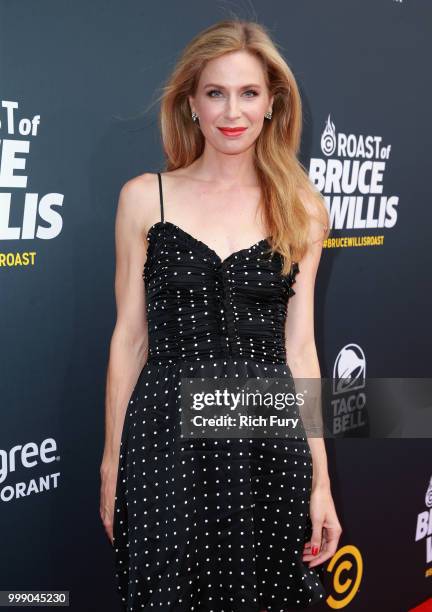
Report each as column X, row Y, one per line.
column 202, row 307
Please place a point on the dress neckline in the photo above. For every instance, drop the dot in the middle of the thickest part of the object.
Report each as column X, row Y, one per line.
column 203, row 246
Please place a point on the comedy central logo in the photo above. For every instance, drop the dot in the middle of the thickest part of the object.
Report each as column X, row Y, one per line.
column 346, row 570
column 348, row 394
column 328, row 138
column 350, row 175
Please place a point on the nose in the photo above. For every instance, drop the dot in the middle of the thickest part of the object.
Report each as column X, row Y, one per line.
column 232, row 108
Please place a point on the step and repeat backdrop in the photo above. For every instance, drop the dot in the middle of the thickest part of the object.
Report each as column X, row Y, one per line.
column 78, row 118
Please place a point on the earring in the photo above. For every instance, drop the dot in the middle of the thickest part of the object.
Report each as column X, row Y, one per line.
column 194, row 116
column 268, row 115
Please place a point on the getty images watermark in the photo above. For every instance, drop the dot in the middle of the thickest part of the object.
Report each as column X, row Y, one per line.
column 299, row 407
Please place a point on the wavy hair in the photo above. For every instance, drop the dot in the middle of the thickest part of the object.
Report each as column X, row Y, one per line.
column 284, row 181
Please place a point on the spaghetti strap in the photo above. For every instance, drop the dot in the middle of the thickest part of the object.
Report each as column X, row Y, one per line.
column 161, row 197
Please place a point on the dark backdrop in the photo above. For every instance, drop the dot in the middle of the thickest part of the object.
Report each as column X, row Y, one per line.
column 91, row 71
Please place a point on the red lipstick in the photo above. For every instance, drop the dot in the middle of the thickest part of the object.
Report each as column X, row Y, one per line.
column 232, row 131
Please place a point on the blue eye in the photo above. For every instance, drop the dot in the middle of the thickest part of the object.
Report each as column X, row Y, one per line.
column 212, row 91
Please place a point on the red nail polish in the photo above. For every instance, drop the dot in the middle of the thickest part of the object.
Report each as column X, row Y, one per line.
column 314, row 550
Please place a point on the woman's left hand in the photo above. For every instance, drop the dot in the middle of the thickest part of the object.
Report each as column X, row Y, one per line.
column 326, row 529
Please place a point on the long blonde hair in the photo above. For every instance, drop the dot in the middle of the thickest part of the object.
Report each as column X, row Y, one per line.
column 281, row 175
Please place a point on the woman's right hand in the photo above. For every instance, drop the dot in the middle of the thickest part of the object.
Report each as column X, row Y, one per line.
column 108, row 472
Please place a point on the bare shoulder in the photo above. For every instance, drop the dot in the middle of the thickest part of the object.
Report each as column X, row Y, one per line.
column 139, row 200
column 318, row 214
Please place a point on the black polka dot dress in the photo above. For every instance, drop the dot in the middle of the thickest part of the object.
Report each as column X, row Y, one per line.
column 210, row 525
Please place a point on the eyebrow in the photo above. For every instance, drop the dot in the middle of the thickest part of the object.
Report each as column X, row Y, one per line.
column 222, row 87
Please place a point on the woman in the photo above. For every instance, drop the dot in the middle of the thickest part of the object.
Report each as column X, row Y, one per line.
column 217, row 524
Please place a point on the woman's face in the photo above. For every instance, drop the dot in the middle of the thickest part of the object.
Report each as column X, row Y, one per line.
column 232, row 93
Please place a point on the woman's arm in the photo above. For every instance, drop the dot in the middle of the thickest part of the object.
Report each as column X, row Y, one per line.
column 129, row 342
column 303, row 362
column 128, row 347
column 301, row 350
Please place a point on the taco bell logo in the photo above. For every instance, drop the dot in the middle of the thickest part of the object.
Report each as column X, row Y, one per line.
column 349, row 370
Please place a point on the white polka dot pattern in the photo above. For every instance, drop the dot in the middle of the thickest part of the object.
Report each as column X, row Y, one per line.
column 210, row 525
